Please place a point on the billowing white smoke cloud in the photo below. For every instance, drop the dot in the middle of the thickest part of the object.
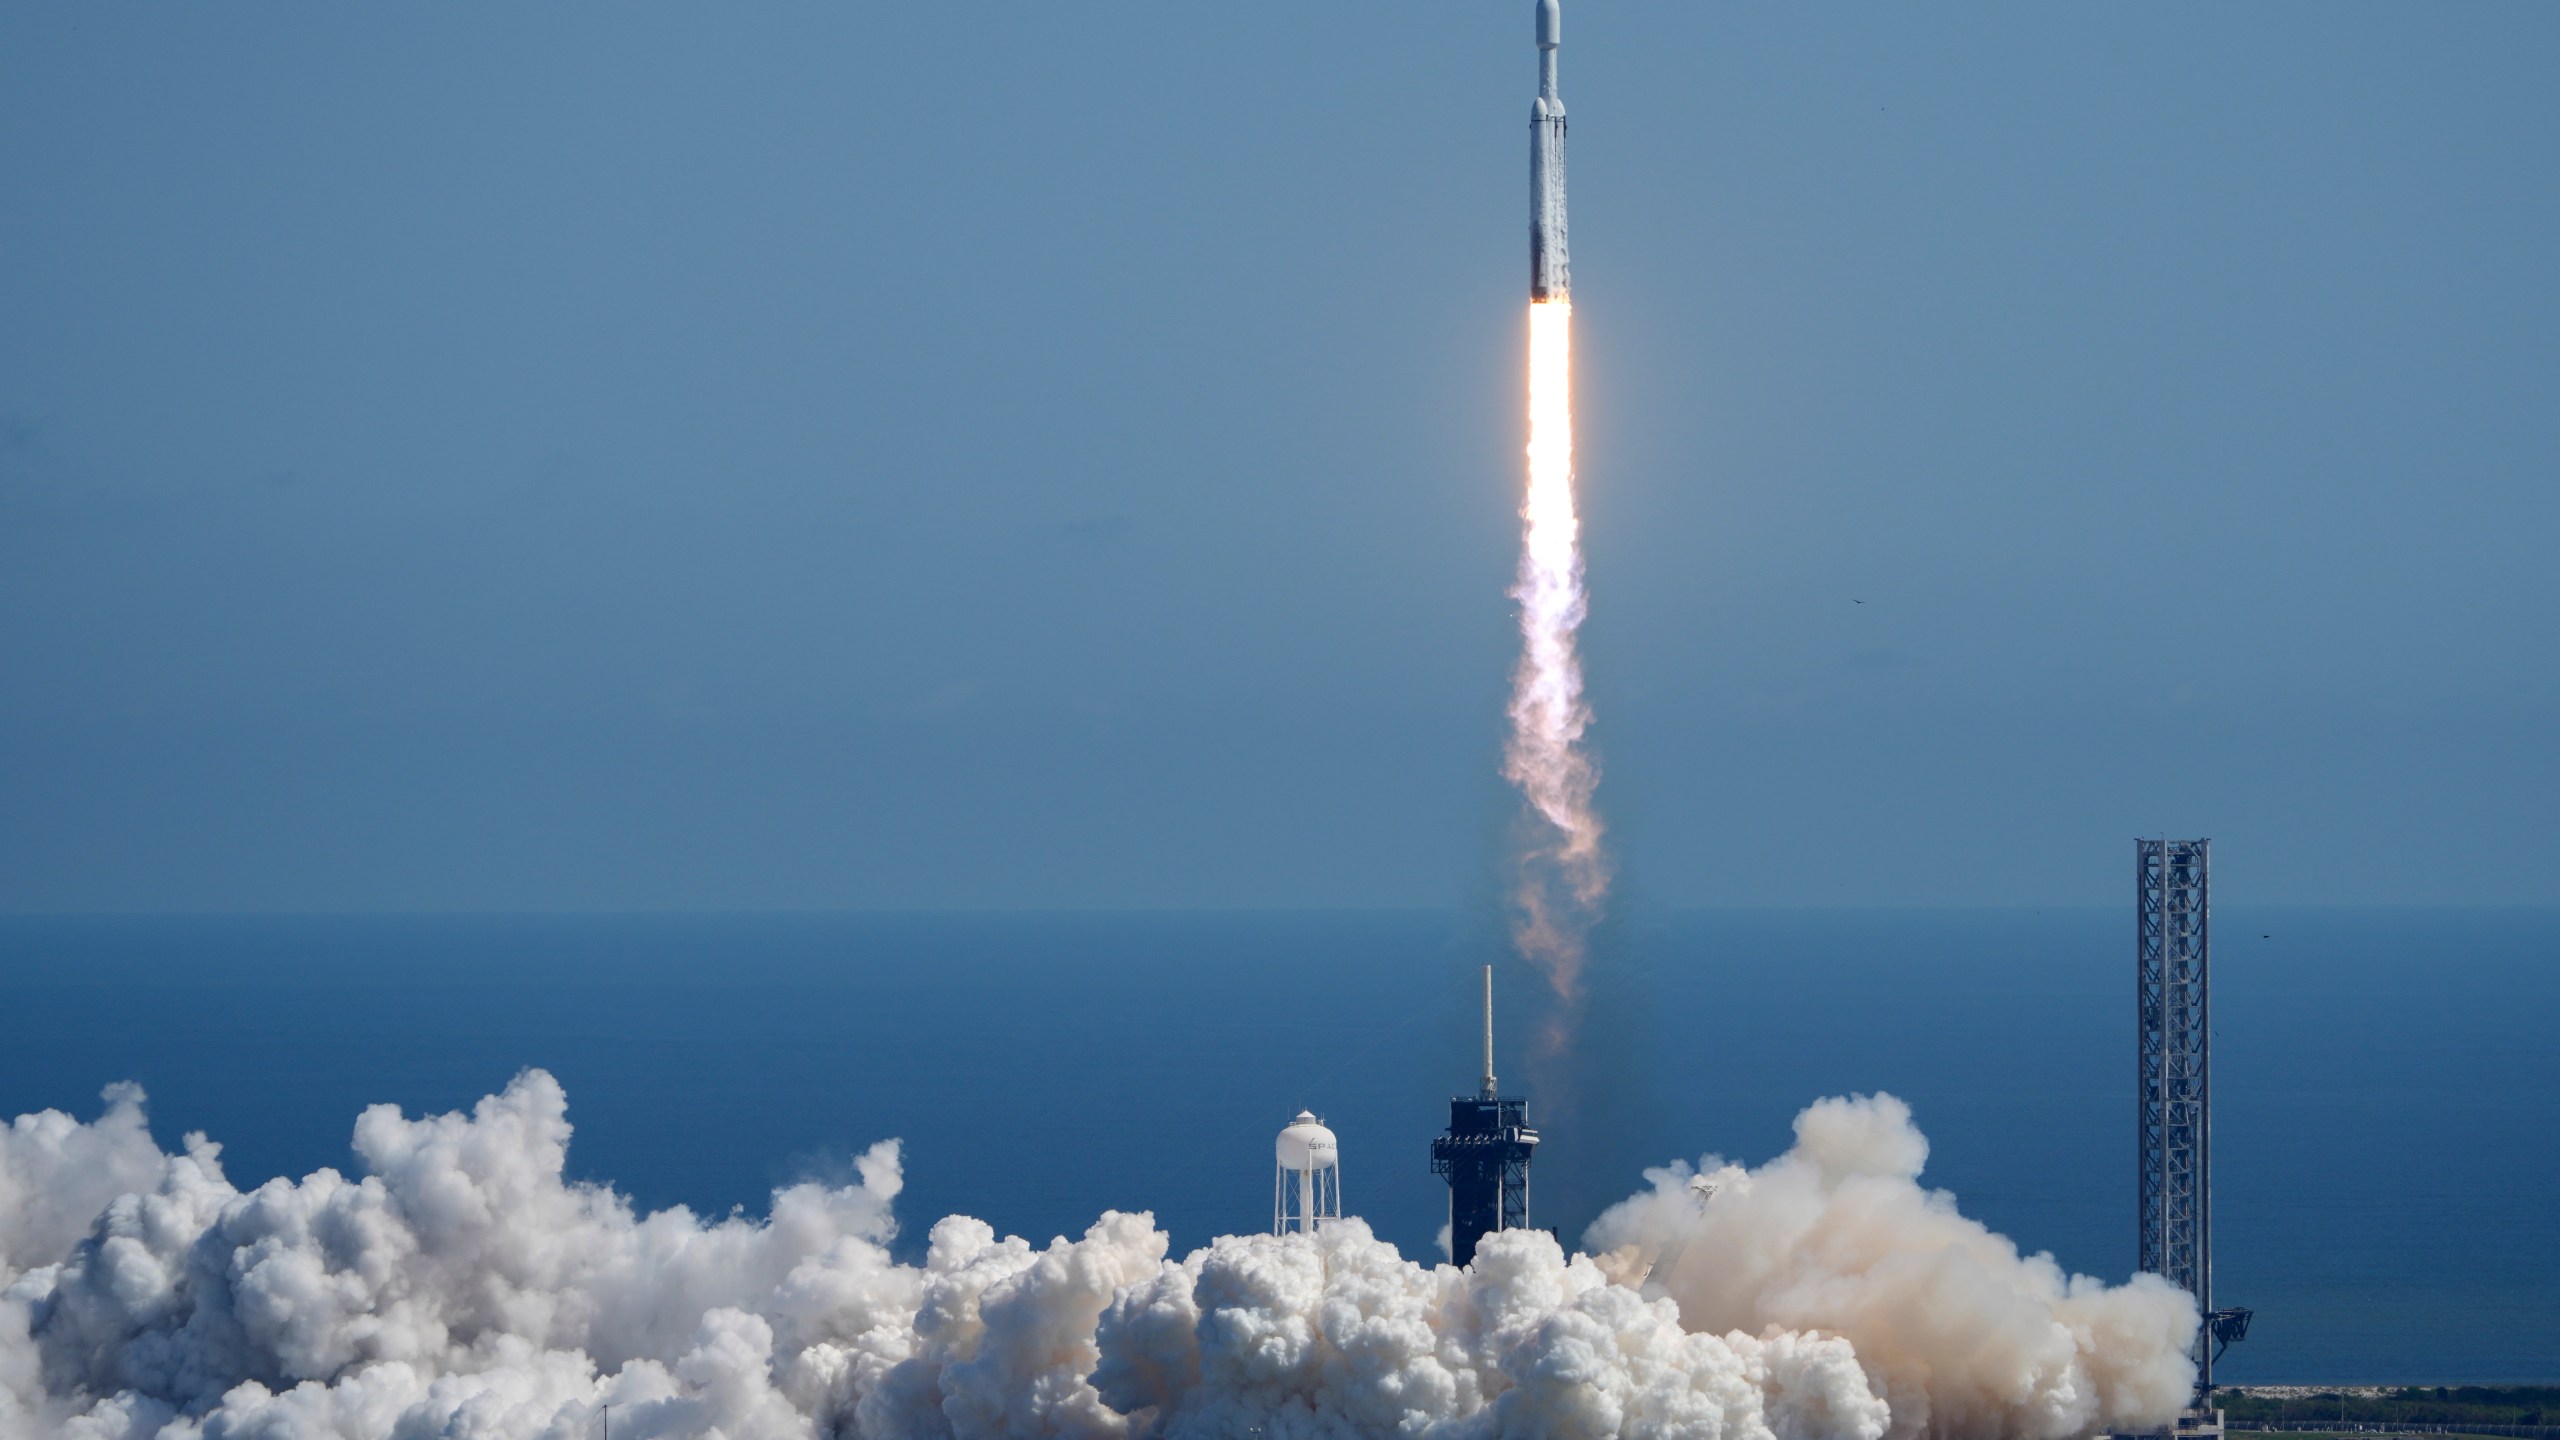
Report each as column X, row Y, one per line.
column 1961, row 1333
column 56, row 1174
column 463, row 1288
column 1341, row 1338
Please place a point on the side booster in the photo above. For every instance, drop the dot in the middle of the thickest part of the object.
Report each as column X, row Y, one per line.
column 1550, row 276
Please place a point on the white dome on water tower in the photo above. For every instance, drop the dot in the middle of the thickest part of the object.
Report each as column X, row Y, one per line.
column 1306, row 1144
column 1306, row 1190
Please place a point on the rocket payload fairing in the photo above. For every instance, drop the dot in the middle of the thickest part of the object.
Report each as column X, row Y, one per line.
column 1550, row 276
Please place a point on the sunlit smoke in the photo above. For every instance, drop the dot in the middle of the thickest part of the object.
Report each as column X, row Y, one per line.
column 456, row 1282
column 1563, row 871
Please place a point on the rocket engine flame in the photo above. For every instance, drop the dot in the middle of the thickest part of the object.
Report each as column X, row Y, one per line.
column 1564, row 872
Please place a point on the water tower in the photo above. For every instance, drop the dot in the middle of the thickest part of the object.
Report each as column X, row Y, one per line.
column 1307, row 1190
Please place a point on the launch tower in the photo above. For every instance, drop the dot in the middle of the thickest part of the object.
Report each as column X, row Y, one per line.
column 1485, row 1156
column 2173, row 999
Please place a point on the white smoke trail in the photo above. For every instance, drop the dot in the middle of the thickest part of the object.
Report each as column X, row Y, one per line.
column 1563, row 871
column 462, row 1287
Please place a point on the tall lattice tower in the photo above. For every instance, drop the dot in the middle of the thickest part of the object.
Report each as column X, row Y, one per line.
column 2173, row 997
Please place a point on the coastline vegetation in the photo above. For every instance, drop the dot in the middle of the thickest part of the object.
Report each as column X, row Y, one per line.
column 2355, row 1405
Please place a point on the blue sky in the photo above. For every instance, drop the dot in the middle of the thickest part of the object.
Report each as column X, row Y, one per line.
column 599, row 457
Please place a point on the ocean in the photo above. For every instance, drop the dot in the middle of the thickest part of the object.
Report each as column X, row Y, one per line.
column 2387, row 1132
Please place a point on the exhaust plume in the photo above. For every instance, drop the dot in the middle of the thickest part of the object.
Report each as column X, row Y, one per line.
column 1563, row 872
column 461, row 1286
column 1958, row 1332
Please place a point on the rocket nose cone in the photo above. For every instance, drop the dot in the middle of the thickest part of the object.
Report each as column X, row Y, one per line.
column 1550, row 24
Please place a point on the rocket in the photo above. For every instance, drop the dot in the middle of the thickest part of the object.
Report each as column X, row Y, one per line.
column 1550, row 277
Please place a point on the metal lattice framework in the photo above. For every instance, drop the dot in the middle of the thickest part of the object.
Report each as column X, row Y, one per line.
column 2174, row 1000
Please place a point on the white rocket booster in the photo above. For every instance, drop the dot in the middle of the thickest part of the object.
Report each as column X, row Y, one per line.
column 1550, row 277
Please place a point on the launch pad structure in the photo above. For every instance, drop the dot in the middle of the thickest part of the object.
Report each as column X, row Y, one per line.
column 2173, row 1046
column 1485, row 1156
column 2173, row 1049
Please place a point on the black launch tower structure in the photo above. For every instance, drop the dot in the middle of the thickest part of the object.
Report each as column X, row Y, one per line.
column 1485, row 1156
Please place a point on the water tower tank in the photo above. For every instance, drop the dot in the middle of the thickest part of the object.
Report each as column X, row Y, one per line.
column 1306, row 1190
